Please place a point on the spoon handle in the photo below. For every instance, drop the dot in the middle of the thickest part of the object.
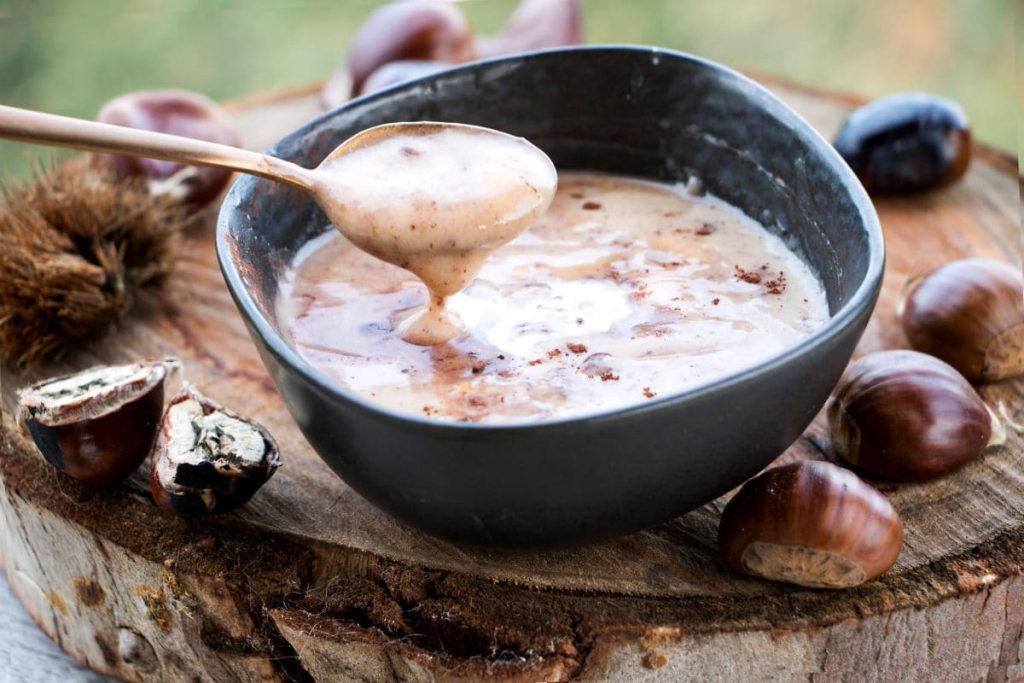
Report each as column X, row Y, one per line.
column 64, row 131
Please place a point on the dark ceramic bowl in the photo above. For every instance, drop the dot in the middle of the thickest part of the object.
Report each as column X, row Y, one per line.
column 629, row 110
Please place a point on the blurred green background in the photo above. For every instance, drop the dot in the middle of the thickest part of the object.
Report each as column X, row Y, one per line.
column 70, row 56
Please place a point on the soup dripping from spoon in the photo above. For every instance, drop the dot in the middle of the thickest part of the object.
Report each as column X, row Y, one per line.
column 433, row 198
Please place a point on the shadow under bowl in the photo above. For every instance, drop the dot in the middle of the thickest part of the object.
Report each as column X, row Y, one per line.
column 628, row 110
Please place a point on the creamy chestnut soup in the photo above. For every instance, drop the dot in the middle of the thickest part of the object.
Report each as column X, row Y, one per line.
column 624, row 291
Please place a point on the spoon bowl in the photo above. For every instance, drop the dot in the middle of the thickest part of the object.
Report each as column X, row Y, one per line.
column 434, row 198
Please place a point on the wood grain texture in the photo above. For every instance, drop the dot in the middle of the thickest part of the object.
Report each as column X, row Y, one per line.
column 310, row 582
column 29, row 656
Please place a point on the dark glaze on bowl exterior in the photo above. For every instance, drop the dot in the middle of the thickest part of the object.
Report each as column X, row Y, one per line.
column 628, row 110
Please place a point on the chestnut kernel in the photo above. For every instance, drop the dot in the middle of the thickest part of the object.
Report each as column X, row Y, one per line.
column 907, row 142
column 97, row 425
column 412, row 30
column 177, row 112
column 207, row 458
column 536, row 25
column 812, row 524
column 907, row 416
column 969, row 313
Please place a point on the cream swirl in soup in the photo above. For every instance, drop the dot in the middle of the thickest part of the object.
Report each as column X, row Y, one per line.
column 624, row 291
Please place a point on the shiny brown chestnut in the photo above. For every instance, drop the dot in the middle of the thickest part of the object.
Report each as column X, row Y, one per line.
column 177, row 112
column 907, row 416
column 403, row 70
column 969, row 313
column 97, row 425
column 412, row 30
column 907, row 142
column 207, row 458
column 812, row 524
column 536, row 25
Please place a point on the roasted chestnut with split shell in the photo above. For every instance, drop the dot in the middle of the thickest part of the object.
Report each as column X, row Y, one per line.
column 812, row 524
column 177, row 112
column 906, row 142
column 207, row 458
column 969, row 313
column 907, row 416
column 97, row 425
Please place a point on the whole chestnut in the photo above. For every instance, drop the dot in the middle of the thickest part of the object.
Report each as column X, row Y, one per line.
column 812, row 524
column 908, row 416
column 969, row 313
column 177, row 112
column 97, row 425
column 403, row 70
column 907, row 142
column 411, row 30
column 536, row 25
column 207, row 458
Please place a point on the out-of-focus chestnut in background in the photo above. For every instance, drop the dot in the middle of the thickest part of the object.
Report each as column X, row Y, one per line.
column 412, row 38
column 176, row 112
column 70, row 57
column 906, row 142
column 409, row 30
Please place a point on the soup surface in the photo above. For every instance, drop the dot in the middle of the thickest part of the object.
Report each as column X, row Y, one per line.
column 623, row 292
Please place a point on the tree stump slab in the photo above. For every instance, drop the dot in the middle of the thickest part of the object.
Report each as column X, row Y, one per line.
column 309, row 582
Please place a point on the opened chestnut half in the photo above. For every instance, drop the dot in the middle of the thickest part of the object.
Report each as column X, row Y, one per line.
column 207, row 458
column 97, row 425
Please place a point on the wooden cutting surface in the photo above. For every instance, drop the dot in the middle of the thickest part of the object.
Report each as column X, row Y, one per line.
column 310, row 582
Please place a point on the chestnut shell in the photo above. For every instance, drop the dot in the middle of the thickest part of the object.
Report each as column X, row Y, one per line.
column 208, row 487
column 400, row 71
column 101, row 450
column 816, row 510
column 906, row 416
column 536, row 25
column 969, row 313
column 905, row 143
column 410, row 30
column 177, row 112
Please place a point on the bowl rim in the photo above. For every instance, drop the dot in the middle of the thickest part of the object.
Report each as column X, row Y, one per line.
column 862, row 299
